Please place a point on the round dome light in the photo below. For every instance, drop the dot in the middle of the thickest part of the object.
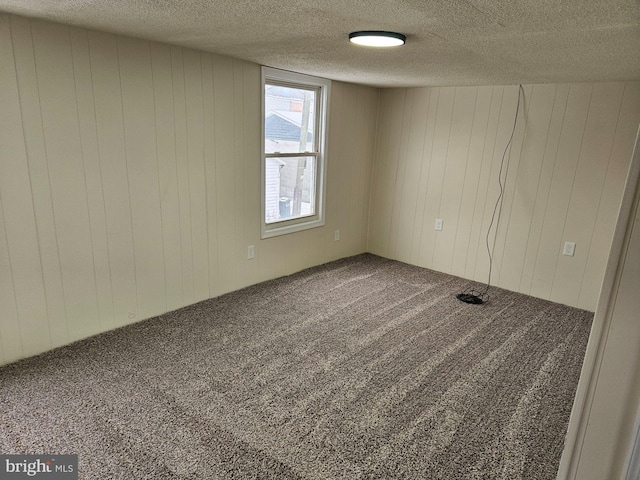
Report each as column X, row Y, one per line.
column 373, row 38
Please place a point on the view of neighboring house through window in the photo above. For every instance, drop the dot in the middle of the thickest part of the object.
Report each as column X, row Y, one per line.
column 294, row 124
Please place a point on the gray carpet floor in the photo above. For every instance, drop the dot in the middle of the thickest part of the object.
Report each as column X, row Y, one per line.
column 364, row 368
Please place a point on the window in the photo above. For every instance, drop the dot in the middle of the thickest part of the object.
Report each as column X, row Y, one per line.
column 295, row 109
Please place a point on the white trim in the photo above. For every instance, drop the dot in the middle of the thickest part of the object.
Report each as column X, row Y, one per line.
column 322, row 127
column 633, row 467
column 583, row 402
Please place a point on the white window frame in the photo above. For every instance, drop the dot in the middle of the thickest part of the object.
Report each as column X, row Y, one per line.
column 282, row 77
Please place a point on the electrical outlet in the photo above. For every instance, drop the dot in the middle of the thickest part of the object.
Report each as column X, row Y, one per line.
column 336, row 235
column 250, row 252
column 438, row 224
column 569, row 249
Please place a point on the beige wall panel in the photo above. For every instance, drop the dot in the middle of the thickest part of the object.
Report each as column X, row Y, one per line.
column 389, row 119
column 423, row 172
column 10, row 336
column 142, row 166
column 549, row 161
column 274, row 253
column 346, row 192
column 18, row 212
column 470, row 184
column 415, row 147
column 208, row 105
column 621, row 151
column 238, row 249
column 165, row 129
column 401, row 153
column 93, row 178
column 58, row 107
column 363, row 141
column 238, row 252
column 567, row 155
column 486, row 197
column 223, row 81
column 511, row 166
column 143, row 161
column 113, row 168
column 61, row 128
column 182, row 163
column 367, row 120
column 535, row 118
column 558, row 160
column 436, row 172
column 571, row 136
column 197, row 173
column 586, row 191
column 39, row 177
column 336, row 214
column 251, row 154
column 456, row 165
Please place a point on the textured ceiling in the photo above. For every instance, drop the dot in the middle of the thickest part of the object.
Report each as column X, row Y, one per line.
column 450, row 42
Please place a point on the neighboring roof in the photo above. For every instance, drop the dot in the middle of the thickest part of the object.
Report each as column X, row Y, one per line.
column 283, row 125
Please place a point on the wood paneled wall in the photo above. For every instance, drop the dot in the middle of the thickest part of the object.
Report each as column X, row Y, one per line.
column 130, row 182
column 438, row 155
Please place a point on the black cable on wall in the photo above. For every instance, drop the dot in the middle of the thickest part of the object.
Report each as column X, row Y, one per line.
column 471, row 295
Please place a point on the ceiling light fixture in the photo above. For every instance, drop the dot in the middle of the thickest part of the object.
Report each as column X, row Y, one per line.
column 372, row 38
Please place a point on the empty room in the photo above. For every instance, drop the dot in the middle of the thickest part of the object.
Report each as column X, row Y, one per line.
column 320, row 240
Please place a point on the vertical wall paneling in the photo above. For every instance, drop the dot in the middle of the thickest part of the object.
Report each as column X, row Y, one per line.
column 10, row 335
column 486, row 196
column 336, row 165
column 130, row 182
column 196, row 170
column 435, row 174
column 511, row 167
column 238, row 252
column 536, row 112
column 224, row 178
column 165, row 134
column 25, row 63
column 470, row 182
column 400, row 151
column 571, row 135
column 413, row 158
column 549, row 160
column 430, row 103
column 361, row 142
column 52, row 46
column 56, row 84
column 93, row 180
column 367, row 103
column 142, row 171
column 182, row 172
column 19, row 217
column 389, row 121
column 564, row 169
column 251, row 156
column 621, row 151
column 208, row 117
column 337, row 168
column 107, row 98
column 454, row 171
column 586, row 190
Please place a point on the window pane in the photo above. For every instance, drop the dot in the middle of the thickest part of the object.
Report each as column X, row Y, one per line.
column 289, row 119
column 290, row 188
